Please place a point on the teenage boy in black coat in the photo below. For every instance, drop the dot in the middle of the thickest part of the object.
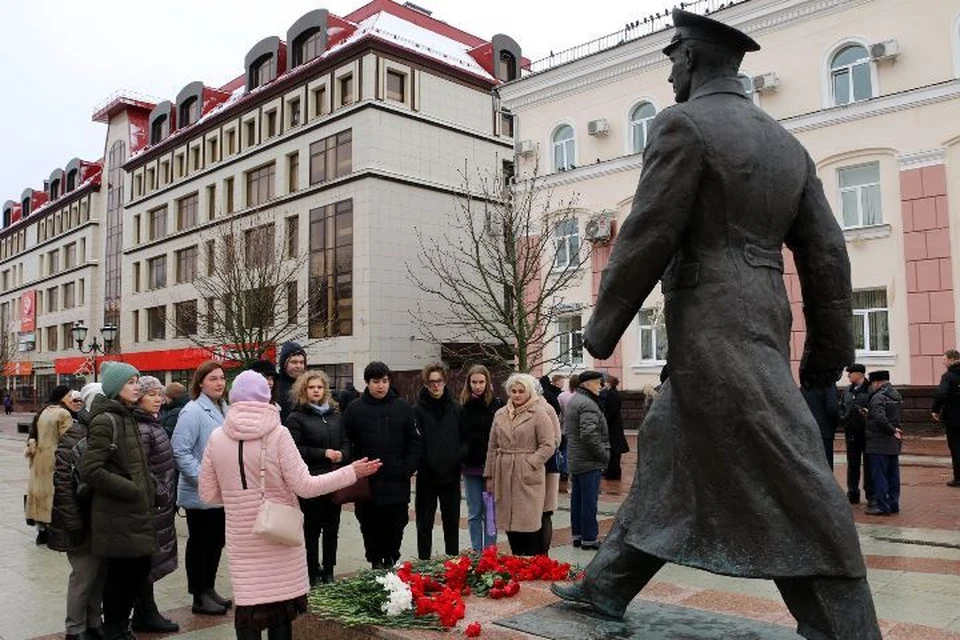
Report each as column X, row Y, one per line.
column 382, row 425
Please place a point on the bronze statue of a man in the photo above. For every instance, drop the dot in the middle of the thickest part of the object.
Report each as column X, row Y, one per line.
column 731, row 476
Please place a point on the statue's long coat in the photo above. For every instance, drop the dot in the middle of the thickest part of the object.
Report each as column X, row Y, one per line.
column 731, row 475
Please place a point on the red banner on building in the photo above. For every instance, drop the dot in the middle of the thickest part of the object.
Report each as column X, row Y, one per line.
column 28, row 312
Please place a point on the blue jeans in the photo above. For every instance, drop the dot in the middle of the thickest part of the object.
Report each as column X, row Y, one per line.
column 476, row 513
column 885, row 470
column 584, row 493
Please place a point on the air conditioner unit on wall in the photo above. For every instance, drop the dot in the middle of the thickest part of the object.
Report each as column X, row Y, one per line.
column 886, row 50
column 766, row 82
column 599, row 127
column 525, row 147
column 599, row 228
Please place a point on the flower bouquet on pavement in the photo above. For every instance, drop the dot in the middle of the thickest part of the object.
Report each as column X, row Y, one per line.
column 428, row 594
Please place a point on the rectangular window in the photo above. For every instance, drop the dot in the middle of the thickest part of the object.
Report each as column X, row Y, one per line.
column 570, row 340
column 331, row 157
column 259, row 307
column 292, row 303
column 138, row 185
column 231, row 141
column 81, row 293
column 136, row 277
column 271, row 123
column 292, row 236
column 52, row 338
column 330, row 287
column 53, row 299
column 294, row 109
column 260, row 184
column 228, row 195
column 69, row 295
column 319, row 101
column 53, row 262
column 251, row 128
column 66, row 331
column 860, row 195
column 211, row 202
column 187, row 211
column 186, row 318
column 158, row 223
column 179, row 164
column 151, row 179
column 186, row 264
column 258, row 245
column 293, row 172
column 346, row 89
column 396, row 86
column 871, row 326
column 506, row 124
column 566, row 244
column 157, row 272
column 196, row 162
column 211, row 257
column 212, row 150
column 135, row 318
column 70, row 256
column 157, row 323
column 653, row 337
column 137, row 236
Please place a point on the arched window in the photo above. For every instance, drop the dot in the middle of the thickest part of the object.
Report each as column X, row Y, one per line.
column 563, row 148
column 850, row 75
column 160, row 129
column 54, row 189
column 640, row 120
column 508, row 67
column 25, row 207
column 71, row 180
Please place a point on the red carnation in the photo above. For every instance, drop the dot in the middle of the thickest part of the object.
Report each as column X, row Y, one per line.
column 472, row 630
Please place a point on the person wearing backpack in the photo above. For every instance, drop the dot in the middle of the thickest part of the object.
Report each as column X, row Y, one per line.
column 122, row 529
column 69, row 530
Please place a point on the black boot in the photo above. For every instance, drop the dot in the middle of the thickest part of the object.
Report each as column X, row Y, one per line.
column 248, row 634
column 280, row 632
column 146, row 615
column 118, row 631
column 327, row 576
column 226, row 603
column 204, row 605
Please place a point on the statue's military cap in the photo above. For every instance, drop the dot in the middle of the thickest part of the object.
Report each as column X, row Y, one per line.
column 691, row 26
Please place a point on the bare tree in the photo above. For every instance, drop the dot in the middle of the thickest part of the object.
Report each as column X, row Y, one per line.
column 248, row 286
column 9, row 344
column 496, row 273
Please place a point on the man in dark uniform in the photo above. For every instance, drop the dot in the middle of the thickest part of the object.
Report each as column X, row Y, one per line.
column 731, row 477
column 946, row 409
column 855, row 398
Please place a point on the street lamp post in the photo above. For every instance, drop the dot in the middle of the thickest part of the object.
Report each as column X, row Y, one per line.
column 108, row 332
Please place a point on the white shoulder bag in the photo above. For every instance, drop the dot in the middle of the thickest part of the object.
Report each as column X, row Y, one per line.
column 275, row 521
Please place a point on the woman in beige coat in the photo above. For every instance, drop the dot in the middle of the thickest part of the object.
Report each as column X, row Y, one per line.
column 51, row 423
column 522, row 439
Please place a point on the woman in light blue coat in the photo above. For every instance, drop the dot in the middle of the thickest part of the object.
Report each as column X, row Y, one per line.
column 205, row 522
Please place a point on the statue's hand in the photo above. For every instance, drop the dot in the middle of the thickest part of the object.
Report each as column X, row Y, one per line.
column 595, row 345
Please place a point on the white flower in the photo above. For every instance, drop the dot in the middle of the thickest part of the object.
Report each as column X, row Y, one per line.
column 399, row 596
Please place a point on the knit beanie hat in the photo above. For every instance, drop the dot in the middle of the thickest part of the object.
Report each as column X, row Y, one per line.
column 250, row 386
column 89, row 392
column 288, row 350
column 148, row 384
column 113, row 375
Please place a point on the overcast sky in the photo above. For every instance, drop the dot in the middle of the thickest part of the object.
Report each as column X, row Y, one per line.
column 61, row 58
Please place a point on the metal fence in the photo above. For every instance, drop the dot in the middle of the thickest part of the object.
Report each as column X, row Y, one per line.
column 632, row 31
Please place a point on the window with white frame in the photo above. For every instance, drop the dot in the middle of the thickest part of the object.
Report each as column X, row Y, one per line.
column 570, row 340
column 871, row 325
column 860, row 195
column 641, row 118
column 850, row 75
column 653, row 338
column 564, row 147
column 566, row 243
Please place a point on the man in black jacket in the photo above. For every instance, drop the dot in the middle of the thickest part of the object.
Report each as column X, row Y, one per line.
column 443, row 448
column 611, row 404
column 884, row 440
column 946, row 409
column 854, row 399
column 381, row 425
column 293, row 362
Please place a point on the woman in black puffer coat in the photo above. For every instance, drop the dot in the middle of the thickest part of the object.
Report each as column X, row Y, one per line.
column 161, row 465
column 315, row 425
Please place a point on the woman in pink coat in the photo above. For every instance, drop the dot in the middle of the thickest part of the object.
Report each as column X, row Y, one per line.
column 270, row 582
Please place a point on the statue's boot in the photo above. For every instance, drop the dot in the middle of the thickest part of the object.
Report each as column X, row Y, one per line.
column 831, row 608
column 613, row 578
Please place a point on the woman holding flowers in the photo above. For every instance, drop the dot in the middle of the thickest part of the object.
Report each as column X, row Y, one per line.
column 270, row 581
column 523, row 437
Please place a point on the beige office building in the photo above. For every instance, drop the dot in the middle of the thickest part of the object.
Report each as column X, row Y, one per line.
column 870, row 87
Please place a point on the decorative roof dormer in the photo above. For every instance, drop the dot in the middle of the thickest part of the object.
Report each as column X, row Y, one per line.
column 264, row 62
column 307, row 38
column 56, row 183
column 162, row 121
